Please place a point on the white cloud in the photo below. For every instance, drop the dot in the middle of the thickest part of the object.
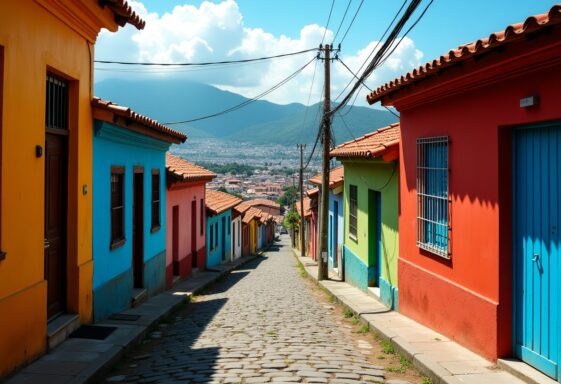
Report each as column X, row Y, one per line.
column 216, row 32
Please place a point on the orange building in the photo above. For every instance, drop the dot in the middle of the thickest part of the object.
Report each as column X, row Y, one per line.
column 46, row 68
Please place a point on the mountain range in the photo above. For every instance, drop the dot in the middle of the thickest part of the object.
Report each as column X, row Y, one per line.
column 169, row 100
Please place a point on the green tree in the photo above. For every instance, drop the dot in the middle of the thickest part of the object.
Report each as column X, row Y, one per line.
column 291, row 219
column 289, row 196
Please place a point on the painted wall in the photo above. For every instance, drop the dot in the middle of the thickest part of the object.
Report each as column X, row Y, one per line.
column 236, row 238
column 57, row 44
column 245, row 240
column 253, row 236
column 112, row 277
column 221, row 252
column 182, row 195
column 360, row 264
column 335, row 226
column 469, row 297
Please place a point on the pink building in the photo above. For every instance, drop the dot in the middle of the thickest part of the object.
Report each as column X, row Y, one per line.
column 186, row 226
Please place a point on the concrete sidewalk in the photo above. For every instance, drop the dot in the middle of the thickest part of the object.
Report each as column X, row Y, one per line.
column 86, row 360
column 434, row 355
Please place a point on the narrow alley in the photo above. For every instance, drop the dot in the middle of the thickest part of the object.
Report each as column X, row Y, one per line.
column 262, row 323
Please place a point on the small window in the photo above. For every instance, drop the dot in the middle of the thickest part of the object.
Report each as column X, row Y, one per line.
column 56, row 109
column 432, row 195
column 211, row 237
column 155, row 200
column 117, row 207
column 353, row 207
column 202, row 217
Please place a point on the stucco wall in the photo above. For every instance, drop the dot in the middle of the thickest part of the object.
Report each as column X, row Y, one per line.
column 126, row 149
column 214, row 253
column 237, row 237
column 339, row 228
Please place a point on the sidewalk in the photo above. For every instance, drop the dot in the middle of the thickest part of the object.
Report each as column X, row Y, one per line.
column 87, row 360
column 433, row 354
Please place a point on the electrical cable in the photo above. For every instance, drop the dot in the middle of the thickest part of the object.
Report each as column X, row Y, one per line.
column 208, row 62
column 247, row 102
column 352, row 73
column 392, row 112
column 352, row 21
column 342, row 21
column 328, row 19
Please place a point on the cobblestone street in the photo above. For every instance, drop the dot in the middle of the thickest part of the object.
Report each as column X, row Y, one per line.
column 262, row 323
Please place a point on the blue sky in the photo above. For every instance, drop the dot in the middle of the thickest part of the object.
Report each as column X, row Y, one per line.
column 214, row 30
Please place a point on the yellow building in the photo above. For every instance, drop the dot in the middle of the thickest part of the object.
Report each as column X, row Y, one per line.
column 46, row 70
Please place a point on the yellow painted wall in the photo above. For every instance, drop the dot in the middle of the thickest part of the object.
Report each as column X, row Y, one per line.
column 35, row 40
column 253, row 236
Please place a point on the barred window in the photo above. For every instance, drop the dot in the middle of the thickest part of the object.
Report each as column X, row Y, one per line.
column 433, row 229
column 56, row 109
column 155, row 200
column 353, row 207
column 117, row 207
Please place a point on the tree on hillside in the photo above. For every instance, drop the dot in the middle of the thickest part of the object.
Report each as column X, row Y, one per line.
column 291, row 219
column 289, row 196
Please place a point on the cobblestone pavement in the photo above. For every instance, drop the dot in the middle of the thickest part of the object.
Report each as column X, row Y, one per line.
column 261, row 324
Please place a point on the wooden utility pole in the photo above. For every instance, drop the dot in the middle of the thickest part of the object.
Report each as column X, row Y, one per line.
column 301, row 147
column 326, row 129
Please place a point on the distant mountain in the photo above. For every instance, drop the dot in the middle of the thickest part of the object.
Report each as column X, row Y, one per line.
column 259, row 122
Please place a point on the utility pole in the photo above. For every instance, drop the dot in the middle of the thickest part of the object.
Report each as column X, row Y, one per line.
column 326, row 128
column 301, row 147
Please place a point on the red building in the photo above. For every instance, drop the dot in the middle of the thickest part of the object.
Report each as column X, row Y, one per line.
column 185, row 215
column 480, row 172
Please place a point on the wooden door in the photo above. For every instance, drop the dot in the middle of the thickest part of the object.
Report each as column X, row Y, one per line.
column 56, row 202
column 194, row 233
column 138, row 228
column 537, row 187
column 175, row 240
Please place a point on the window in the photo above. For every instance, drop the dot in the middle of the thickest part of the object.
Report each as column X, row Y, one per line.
column 211, row 237
column 117, row 207
column 56, row 109
column 155, row 200
column 432, row 195
column 202, row 217
column 353, row 207
column 2, row 254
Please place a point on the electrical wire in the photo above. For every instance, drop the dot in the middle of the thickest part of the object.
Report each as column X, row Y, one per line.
column 392, row 112
column 342, row 21
column 352, row 21
column 208, row 62
column 328, row 20
column 352, row 73
column 247, row 102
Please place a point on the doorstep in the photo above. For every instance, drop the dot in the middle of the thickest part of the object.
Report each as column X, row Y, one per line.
column 60, row 328
column 434, row 355
column 524, row 371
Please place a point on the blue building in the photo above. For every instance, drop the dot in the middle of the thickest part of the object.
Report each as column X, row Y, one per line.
column 129, row 234
column 335, row 221
column 219, row 226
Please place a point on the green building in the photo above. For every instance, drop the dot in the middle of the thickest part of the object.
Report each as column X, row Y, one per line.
column 370, row 237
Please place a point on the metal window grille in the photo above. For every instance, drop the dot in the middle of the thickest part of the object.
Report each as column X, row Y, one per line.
column 433, row 228
column 155, row 200
column 56, row 113
column 117, row 206
column 353, row 208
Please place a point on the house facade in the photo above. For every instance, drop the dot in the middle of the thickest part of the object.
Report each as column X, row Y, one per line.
column 236, row 250
column 479, row 197
column 219, row 226
column 46, row 260
column 129, row 206
column 186, row 217
column 335, row 219
column 371, row 249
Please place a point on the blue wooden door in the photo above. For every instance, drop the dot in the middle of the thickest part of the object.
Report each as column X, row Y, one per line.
column 537, row 187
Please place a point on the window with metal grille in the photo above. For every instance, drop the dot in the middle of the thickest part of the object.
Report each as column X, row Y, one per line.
column 117, row 207
column 155, row 200
column 56, row 112
column 202, row 217
column 433, row 229
column 353, row 208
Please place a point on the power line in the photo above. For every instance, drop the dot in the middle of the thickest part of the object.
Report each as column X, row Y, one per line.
column 352, row 73
column 342, row 20
column 352, row 21
column 247, row 102
column 392, row 112
column 328, row 19
column 205, row 63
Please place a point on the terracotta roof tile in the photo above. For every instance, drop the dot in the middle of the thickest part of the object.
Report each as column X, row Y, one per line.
column 312, row 192
column 335, row 177
column 217, row 201
column 242, row 207
column 250, row 214
column 184, row 170
column 106, row 110
column 512, row 33
column 265, row 202
column 307, row 207
column 123, row 13
column 370, row 145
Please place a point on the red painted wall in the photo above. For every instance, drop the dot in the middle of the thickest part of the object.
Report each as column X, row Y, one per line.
column 469, row 298
column 182, row 195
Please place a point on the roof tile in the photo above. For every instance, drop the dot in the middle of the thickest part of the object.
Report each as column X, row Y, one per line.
column 123, row 13
column 217, row 201
column 186, row 171
column 370, row 145
column 335, row 178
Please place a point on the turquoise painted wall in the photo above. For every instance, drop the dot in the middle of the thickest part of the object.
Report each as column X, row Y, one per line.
column 215, row 251
column 379, row 176
column 112, row 276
